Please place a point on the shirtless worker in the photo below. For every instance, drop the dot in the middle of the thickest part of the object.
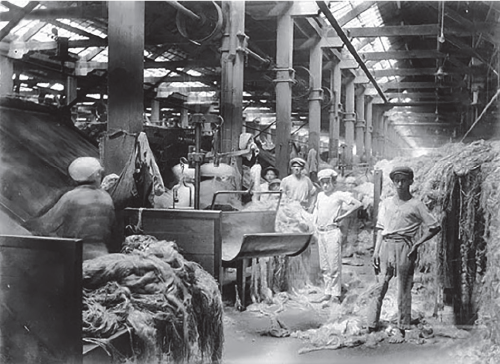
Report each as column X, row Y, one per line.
column 399, row 220
column 86, row 212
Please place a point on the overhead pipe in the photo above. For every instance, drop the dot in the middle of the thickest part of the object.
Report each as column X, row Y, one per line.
column 184, row 10
column 324, row 8
column 480, row 116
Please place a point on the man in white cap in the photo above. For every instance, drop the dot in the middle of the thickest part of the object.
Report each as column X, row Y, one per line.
column 330, row 209
column 86, row 212
column 297, row 186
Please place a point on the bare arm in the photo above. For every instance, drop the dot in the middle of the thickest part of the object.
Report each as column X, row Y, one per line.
column 353, row 206
column 425, row 237
column 376, row 252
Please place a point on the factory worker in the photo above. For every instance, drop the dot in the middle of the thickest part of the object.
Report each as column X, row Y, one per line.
column 86, row 212
column 269, row 174
column 404, row 223
column 330, row 209
column 297, row 186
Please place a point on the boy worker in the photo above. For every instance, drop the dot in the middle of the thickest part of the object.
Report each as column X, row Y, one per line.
column 330, row 208
column 297, row 186
column 399, row 220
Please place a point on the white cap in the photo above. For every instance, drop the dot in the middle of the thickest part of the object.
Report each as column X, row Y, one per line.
column 83, row 168
column 327, row 173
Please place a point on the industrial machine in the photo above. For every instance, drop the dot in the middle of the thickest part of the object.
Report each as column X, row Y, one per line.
column 217, row 239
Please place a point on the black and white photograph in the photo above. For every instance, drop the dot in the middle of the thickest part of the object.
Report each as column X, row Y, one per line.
column 241, row 182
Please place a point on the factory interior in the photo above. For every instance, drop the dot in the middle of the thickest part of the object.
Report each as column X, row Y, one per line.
column 186, row 105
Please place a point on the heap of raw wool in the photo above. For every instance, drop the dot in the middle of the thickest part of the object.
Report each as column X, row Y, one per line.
column 172, row 306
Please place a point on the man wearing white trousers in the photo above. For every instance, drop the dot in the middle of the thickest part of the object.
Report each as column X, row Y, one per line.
column 330, row 208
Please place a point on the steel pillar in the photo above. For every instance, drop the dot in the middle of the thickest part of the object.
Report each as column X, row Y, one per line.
column 283, row 81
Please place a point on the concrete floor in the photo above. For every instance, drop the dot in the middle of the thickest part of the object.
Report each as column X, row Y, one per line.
column 248, row 339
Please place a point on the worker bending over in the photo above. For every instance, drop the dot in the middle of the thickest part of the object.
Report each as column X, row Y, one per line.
column 86, row 212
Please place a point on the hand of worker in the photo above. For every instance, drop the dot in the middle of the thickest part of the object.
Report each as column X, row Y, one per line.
column 376, row 261
column 413, row 252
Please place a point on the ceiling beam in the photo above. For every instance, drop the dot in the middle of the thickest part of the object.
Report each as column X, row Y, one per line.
column 377, row 100
column 19, row 14
column 74, row 30
column 18, row 48
column 412, row 54
column 414, row 85
column 326, row 11
column 462, row 22
column 422, row 30
column 357, row 11
column 437, row 124
column 460, row 44
column 411, row 94
column 67, row 12
column 421, row 72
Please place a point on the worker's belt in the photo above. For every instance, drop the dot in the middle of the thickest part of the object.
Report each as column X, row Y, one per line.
column 328, row 227
column 397, row 238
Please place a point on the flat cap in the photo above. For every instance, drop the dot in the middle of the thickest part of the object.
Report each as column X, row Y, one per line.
column 297, row 160
column 275, row 181
column 327, row 173
column 276, row 172
column 406, row 171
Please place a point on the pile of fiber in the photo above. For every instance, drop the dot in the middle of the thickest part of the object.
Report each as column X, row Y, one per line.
column 272, row 275
column 172, row 306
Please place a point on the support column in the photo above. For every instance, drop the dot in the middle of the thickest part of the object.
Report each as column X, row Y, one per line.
column 6, row 75
column 349, row 119
column 233, row 62
column 383, row 140
column 369, row 131
column 184, row 118
column 155, row 111
column 360, row 124
column 125, row 79
column 284, row 80
column 377, row 132
column 334, row 115
column 70, row 89
column 315, row 67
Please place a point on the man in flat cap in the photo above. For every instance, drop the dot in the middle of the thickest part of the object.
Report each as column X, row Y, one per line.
column 330, row 209
column 400, row 220
column 87, row 212
column 297, row 186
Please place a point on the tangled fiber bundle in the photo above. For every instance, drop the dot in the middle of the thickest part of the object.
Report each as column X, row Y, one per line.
column 172, row 306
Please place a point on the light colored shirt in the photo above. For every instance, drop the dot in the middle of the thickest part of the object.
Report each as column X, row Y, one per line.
column 296, row 189
column 404, row 217
column 328, row 208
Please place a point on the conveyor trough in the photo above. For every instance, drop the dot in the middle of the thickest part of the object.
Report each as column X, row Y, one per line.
column 216, row 239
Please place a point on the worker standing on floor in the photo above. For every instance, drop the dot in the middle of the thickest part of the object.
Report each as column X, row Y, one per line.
column 400, row 219
column 297, row 186
column 330, row 209
column 86, row 212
